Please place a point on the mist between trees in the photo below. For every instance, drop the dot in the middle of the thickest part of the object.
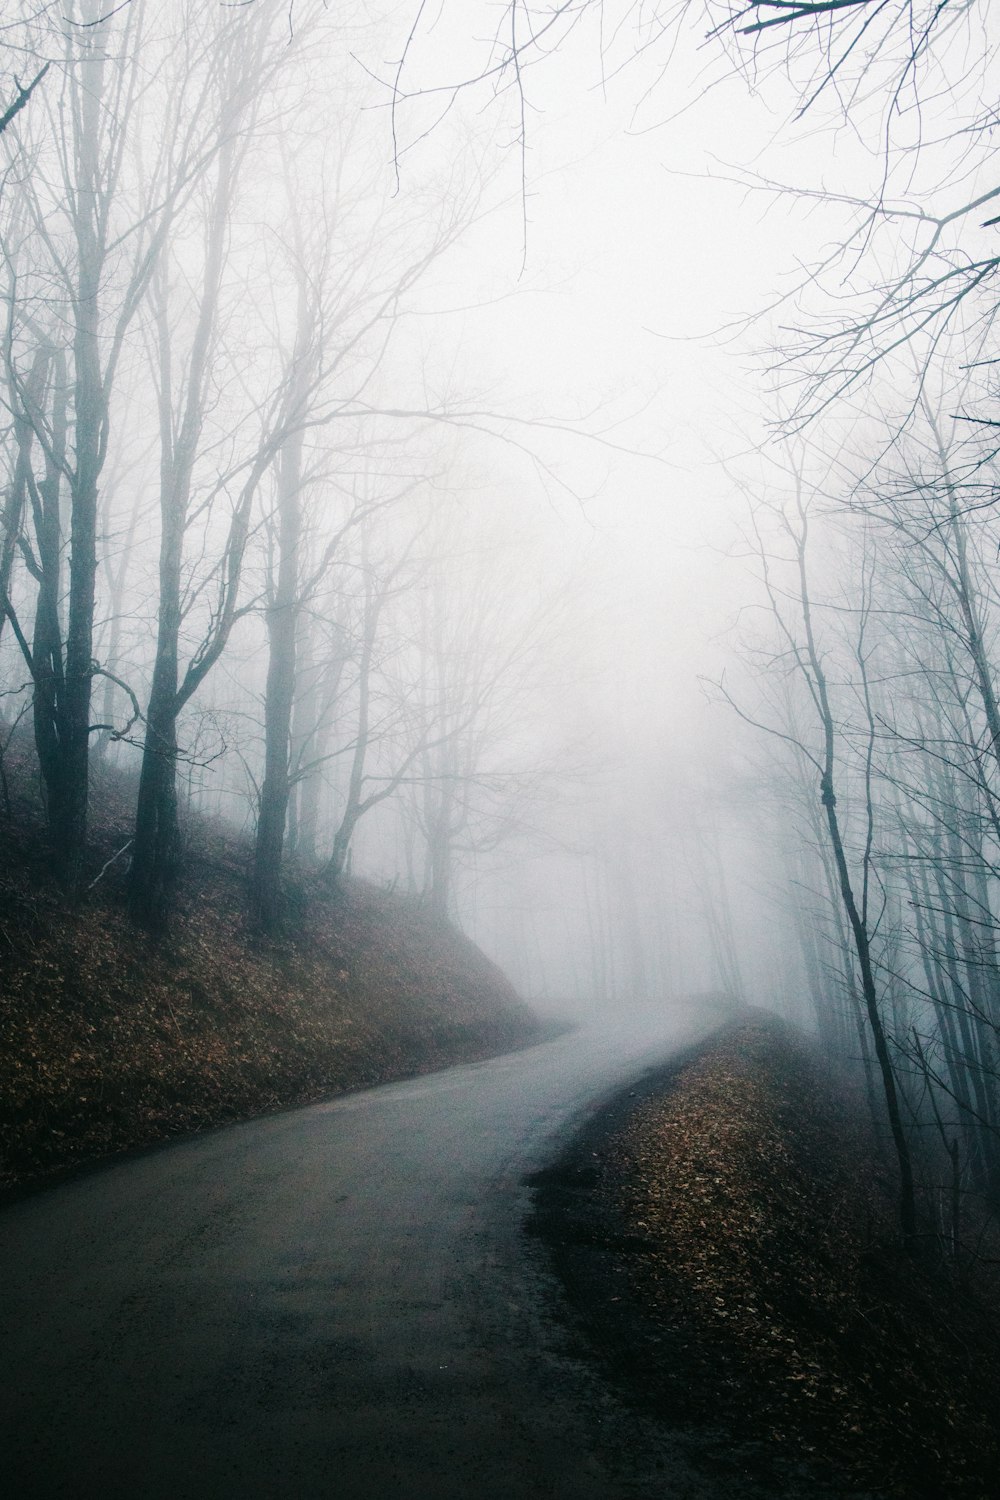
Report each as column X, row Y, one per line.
column 225, row 554
column 267, row 549
column 264, row 549
column 870, row 525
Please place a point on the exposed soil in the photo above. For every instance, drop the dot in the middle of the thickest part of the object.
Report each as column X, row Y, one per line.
column 726, row 1237
column 111, row 1038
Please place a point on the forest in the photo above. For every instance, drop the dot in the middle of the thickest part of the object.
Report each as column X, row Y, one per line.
column 194, row 344
column 284, row 554
column 499, row 646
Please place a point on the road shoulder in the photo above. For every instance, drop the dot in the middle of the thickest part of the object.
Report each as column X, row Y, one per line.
column 720, row 1244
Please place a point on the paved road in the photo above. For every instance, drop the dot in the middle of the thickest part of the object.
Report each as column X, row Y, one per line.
column 337, row 1301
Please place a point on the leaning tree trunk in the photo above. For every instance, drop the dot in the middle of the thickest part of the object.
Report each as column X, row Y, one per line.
column 857, row 917
column 862, row 946
column 14, row 507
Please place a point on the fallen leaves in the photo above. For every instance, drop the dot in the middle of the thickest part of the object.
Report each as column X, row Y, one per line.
column 110, row 1040
column 773, row 1254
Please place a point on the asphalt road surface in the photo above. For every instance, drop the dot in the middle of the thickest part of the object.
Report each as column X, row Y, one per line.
column 337, row 1301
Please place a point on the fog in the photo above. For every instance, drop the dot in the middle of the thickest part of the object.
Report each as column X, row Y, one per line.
column 443, row 392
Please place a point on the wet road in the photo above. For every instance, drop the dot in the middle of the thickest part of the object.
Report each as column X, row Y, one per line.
column 337, row 1301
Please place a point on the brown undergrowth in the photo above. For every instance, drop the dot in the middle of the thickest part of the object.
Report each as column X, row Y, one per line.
column 768, row 1262
column 111, row 1039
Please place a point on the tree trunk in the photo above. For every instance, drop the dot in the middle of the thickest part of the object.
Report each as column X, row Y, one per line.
column 156, row 841
column 68, row 812
column 439, row 873
column 279, row 694
column 356, row 805
column 857, row 918
column 13, row 514
column 115, row 573
column 862, row 944
column 47, row 643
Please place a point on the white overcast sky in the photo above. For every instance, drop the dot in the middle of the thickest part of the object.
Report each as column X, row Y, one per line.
column 639, row 253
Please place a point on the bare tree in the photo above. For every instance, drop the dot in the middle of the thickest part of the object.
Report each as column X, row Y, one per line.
column 818, row 741
column 351, row 297
column 244, row 61
column 83, row 235
column 478, row 660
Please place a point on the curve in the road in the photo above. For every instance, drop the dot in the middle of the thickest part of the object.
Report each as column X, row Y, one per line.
column 337, row 1301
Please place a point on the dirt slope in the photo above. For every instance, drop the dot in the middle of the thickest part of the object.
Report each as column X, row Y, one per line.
column 727, row 1240
column 111, row 1039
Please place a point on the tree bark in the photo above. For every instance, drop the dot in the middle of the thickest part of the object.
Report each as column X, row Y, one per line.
column 156, row 841
column 857, row 919
column 279, row 694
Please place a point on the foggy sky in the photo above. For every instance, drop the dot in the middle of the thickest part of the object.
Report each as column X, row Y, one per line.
column 599, row 339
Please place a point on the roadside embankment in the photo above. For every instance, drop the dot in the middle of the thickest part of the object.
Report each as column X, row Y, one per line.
column 725, row 1234
column 111, row 1038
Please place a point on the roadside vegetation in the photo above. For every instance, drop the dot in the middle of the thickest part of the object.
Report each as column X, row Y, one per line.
column 730, row 1243
column 111, row 1038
